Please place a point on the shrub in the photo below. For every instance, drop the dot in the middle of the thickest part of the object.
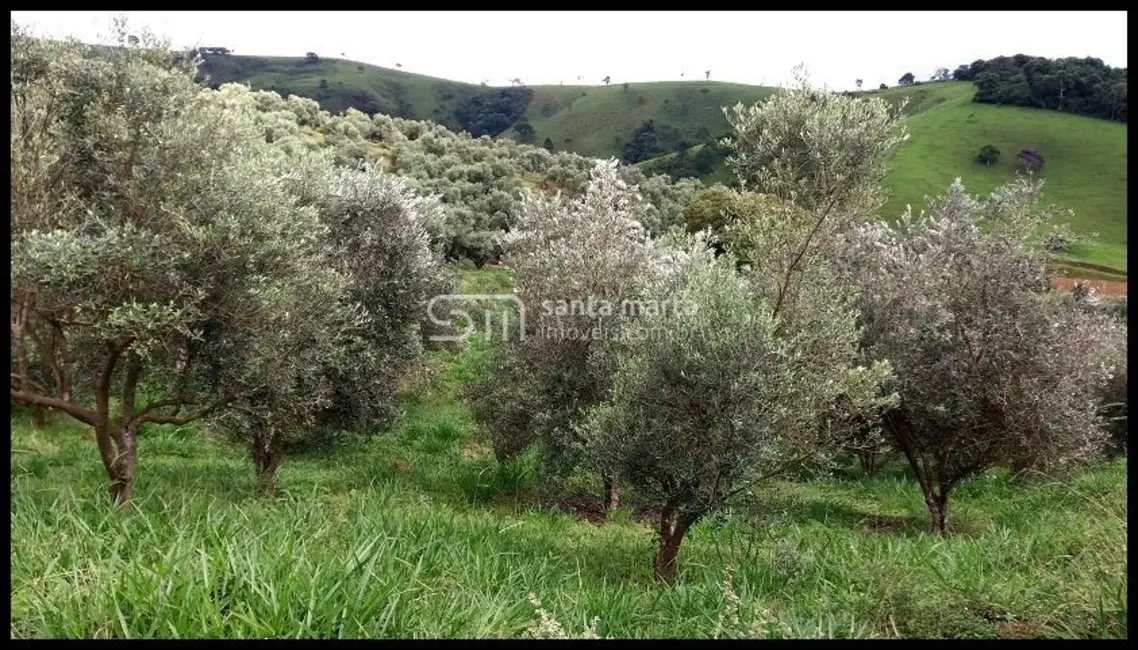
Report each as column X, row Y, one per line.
column 591, row 249
column 988, row 154
column 737, row 379
column 715, row 394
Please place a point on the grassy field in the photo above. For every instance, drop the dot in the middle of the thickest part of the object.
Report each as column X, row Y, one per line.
column 418, row 531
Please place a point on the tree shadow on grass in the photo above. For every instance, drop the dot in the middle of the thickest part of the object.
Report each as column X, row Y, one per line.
column 836, row 513
column 232, row 480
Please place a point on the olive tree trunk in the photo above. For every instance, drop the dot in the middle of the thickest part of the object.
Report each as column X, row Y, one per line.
column 673, row 527
column 267, row 454
column 612, row 493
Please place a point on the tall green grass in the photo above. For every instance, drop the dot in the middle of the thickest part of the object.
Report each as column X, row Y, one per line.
column 419, row 532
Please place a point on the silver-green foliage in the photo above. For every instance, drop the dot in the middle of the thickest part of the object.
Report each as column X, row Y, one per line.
column 592, row 250
column 734, row 386
column 481, row 182
column 155, row 244
column 992, row 370
column 167, row 256
column 717, row 394
column 823, row 151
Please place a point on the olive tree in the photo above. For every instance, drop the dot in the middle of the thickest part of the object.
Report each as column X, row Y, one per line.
column 380, row 262
column 991, row 369
column 734, row 387
column 289, row 371
column 712, row 395
column 384, row 238
column 576, row 262
column 152, row 234
column 821, row 158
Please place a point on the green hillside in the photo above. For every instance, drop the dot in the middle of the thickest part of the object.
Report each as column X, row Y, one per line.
column 1085, row 160
column 348, row 83
column 589, row 120
column 598, row 120
column 1085, row 157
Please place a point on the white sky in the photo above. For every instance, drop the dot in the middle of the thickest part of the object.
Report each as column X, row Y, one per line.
column 555, row 47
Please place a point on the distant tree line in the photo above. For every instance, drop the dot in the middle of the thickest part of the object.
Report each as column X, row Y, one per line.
column 1084, row 86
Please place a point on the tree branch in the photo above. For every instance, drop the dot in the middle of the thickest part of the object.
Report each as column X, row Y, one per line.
column 24, row 382
column 102, row 384
column 801, row 253
column 174, row 418
column 84, row 415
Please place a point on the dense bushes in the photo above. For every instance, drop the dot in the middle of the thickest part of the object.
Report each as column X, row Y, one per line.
column 480, row 181
column 650, row 140
column 590, row 250
column 492, row 112
column 991, row 370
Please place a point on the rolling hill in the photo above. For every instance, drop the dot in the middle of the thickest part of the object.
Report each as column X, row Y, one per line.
column 1086, row 157
column 598, row 120
column 589, row 120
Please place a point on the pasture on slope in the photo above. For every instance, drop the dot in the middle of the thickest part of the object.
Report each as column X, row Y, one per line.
column 597, row 120
column 1085, row 167
column 418, row 532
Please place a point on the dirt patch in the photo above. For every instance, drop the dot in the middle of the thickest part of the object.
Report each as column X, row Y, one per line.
column 473, row 450
column 1104, row 287
column 885, row 523
column 578, row 505
column 1017, row 630
column 989, row 612
column 1005, row 624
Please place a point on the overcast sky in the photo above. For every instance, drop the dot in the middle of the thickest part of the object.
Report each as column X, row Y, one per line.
column 584, row 47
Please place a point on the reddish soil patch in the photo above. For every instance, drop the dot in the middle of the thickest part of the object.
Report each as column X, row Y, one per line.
column 589, row 509
column 989, row 612
column 884, row 523
column 1105, row 287
column 1017, row 630
column 1003, row 623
